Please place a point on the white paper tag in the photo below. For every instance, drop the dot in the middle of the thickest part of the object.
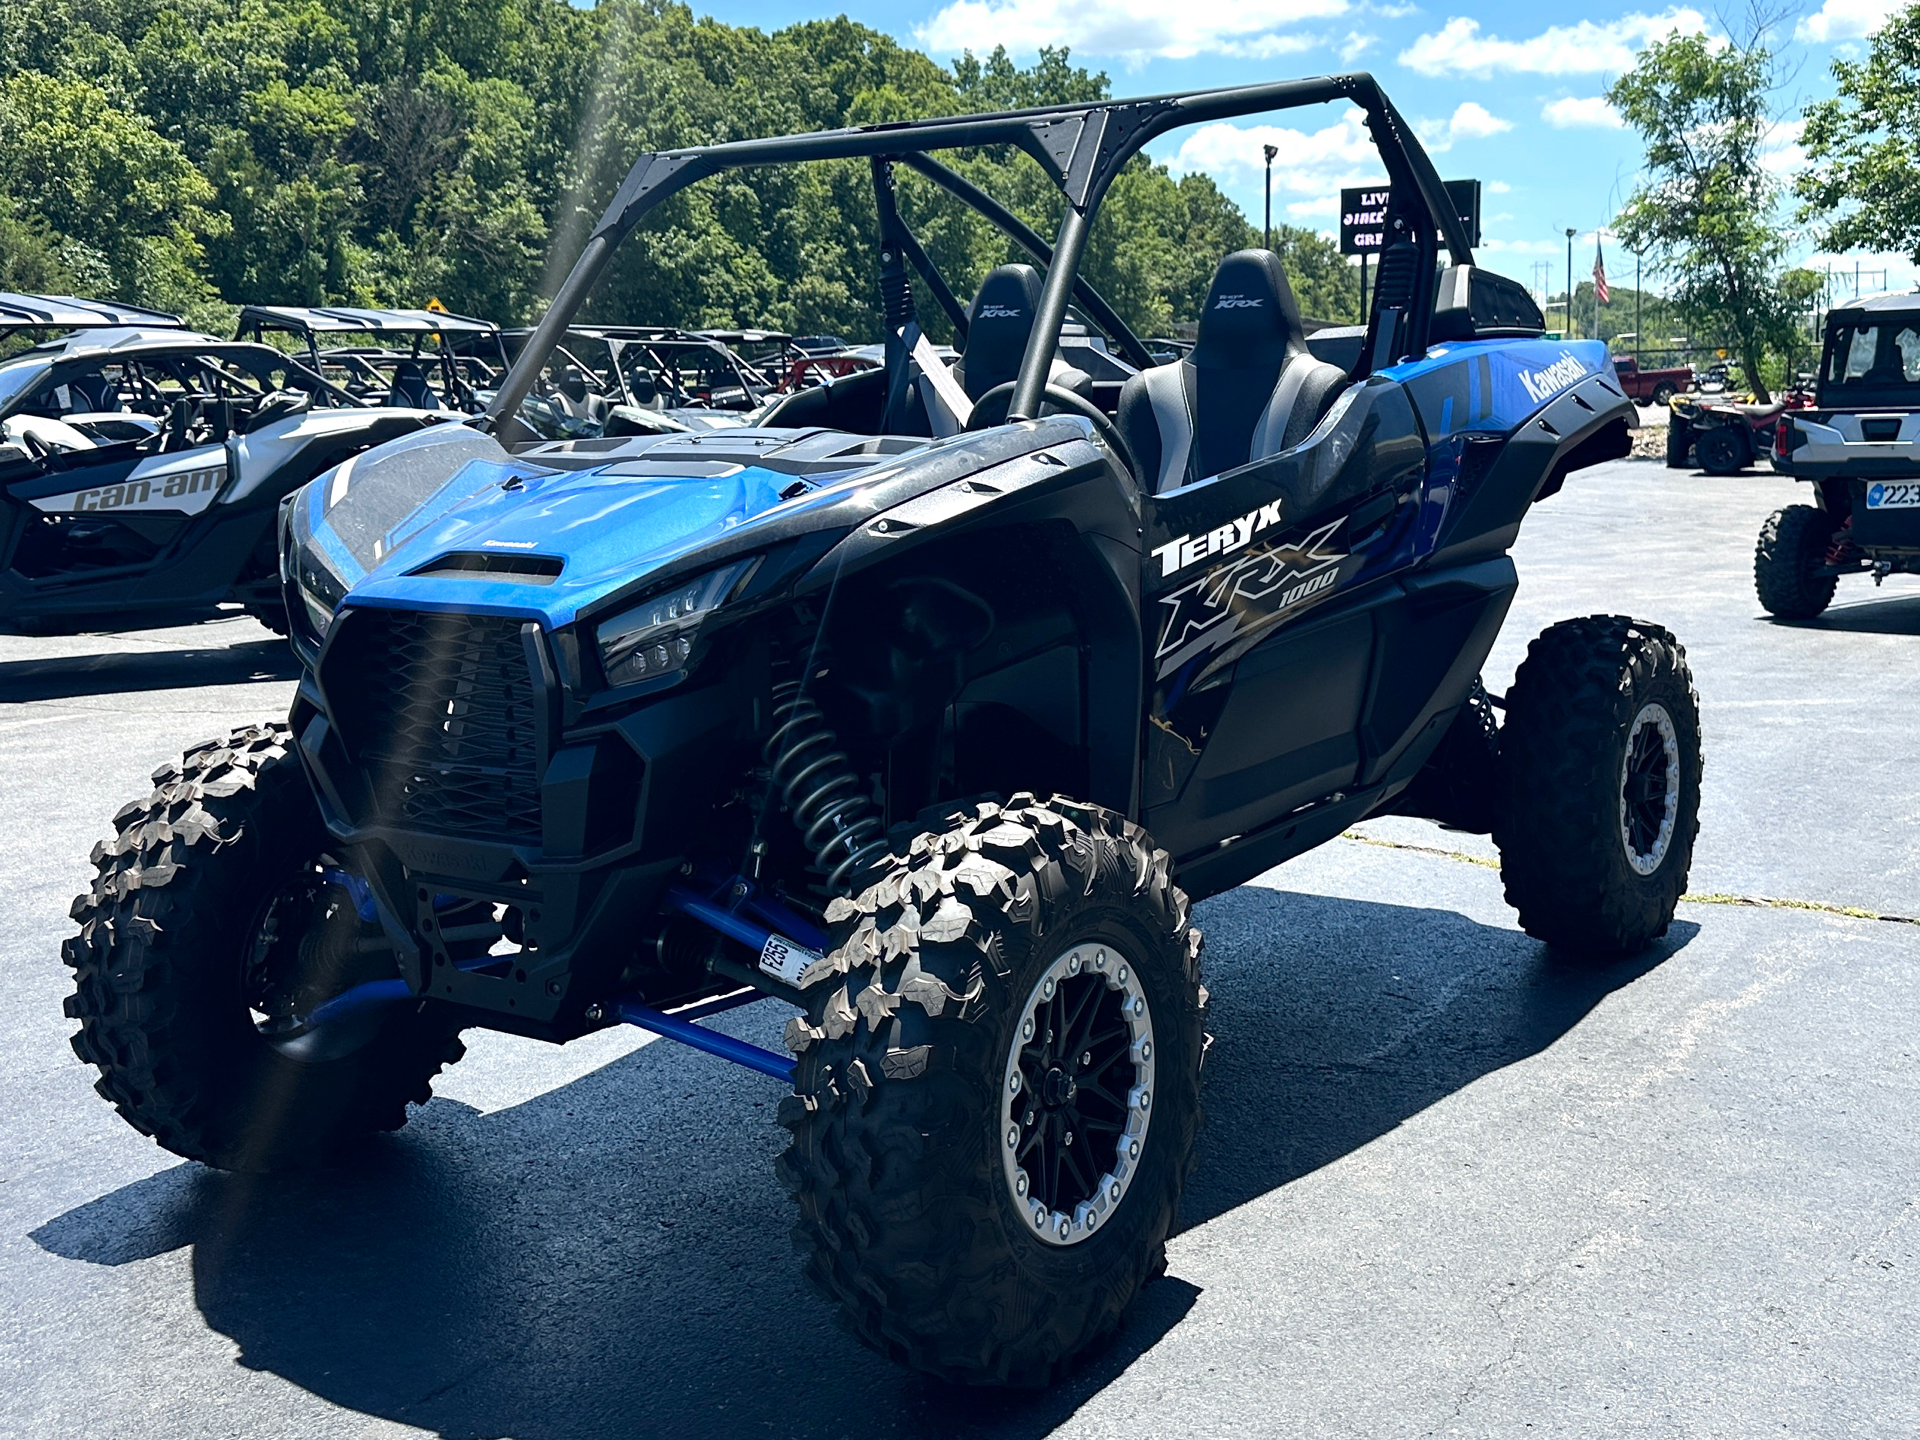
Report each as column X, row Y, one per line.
column 784, row 960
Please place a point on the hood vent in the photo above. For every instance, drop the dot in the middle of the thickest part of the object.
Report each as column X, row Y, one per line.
column 495, row 565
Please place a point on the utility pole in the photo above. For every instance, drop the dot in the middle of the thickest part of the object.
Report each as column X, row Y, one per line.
column 1569, row 282
column 1271, row 151
column 1637, row 342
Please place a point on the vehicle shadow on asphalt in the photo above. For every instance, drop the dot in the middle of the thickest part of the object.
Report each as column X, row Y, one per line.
column 1893, row 615
column 66, row 677
column 612, row 1257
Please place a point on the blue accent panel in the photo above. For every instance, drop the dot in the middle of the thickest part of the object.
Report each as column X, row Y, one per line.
column 1492, row 386
column 687, row 1033
column 608, row 526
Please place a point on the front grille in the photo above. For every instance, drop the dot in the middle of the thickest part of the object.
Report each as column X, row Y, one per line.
column 439, row 712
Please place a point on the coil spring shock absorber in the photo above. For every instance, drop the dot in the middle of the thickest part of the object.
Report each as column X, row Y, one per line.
column 817, row 781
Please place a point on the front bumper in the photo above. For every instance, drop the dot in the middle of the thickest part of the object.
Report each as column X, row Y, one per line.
column 463, row 776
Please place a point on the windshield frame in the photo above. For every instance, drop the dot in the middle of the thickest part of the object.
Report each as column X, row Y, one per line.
column 1081, row 148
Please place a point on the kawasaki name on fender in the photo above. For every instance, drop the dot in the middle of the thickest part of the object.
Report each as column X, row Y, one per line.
column 1550, row 380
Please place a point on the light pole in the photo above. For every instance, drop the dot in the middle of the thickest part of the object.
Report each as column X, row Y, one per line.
column 1271, row 151
column 1569, row 282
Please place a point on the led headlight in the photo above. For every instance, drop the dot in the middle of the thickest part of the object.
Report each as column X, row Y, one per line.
column 656, row 636
column 316, row 580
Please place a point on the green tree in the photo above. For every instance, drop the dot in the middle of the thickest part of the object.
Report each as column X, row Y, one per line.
column 1863, row 184
column 1706, row 212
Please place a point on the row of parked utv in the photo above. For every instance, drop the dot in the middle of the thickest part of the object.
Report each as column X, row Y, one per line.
column 142, row 463
column 922, row 702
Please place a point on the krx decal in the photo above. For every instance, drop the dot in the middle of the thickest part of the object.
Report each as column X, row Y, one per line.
column 1227, row 601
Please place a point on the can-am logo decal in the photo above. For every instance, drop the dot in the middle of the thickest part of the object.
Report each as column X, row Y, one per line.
column 1552, row 379
column 1000, row 312
column 170, row 492
column 1211, row 610
column 1238, row 302
column 1191, row 549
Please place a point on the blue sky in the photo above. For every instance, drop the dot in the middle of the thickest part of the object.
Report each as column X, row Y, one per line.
column 1503, row 91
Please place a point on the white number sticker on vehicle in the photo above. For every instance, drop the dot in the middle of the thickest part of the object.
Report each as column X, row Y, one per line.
column 1894, row 495
column 784, row 960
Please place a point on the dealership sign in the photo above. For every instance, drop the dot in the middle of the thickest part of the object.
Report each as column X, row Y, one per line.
column 1363, row 215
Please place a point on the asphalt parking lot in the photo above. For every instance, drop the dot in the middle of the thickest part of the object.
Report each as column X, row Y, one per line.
column 1450, row 1184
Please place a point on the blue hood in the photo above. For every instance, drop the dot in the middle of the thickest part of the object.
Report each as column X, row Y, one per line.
column 608, row 526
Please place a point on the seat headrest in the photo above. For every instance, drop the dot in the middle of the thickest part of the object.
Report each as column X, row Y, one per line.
column 998, row 324
column 1250, row 318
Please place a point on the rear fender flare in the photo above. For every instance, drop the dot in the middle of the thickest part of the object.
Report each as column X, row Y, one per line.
column 1586, row 424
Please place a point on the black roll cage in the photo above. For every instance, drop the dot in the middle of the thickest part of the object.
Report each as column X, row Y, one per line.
column 1081, row 148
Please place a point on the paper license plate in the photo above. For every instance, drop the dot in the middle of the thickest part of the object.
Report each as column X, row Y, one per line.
column 1894, row 495
column 784, row 960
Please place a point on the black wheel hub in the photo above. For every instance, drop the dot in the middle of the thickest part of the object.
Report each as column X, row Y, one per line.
column 1078, row 1070
column 1649, row 789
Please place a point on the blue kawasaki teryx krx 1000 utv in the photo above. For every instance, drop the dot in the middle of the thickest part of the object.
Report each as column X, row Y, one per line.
column 926, row 703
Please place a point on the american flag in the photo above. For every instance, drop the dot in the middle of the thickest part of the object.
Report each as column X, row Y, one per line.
column 1599, row 273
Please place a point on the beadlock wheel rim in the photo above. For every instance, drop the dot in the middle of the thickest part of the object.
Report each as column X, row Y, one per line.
column 1079, row 1073
column 1649, row 788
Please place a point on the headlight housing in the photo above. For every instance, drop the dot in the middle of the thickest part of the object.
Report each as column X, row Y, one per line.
column 656, row 637
column 314, row 578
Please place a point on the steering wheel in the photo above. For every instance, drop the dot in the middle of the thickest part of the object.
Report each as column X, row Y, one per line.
column 991, row 409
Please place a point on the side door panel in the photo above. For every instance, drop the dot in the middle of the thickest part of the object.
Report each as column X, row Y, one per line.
column 1261, row 607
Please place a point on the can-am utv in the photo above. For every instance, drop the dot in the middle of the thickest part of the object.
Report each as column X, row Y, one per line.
column 142, row 465
column 1860, row 447
column 926, row 705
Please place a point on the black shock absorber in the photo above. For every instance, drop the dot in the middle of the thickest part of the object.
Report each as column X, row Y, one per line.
column 822, row 791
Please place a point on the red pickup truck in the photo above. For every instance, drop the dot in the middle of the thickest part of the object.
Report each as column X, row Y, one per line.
column 1651, row 387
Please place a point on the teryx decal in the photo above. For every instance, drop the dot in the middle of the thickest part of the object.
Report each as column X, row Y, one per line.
column 1213, row 609
column 1191, row 549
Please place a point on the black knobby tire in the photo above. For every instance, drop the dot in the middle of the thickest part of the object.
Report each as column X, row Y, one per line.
column 1722, row 450
column 161, row 966
column 1679, row 441
column 909, row 1216
column 272, row 614
column 1601, row 803
column 1792, row 547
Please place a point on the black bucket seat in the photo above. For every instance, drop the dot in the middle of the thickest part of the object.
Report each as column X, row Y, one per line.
column 999, row 324
column 1248, row 389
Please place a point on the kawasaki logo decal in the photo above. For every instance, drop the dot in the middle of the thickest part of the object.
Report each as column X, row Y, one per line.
column 1238, row 302
column 1232, row 599
column 1552, row 379
column 1000, row 312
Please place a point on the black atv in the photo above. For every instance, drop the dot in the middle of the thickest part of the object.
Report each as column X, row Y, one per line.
column 925, row 705
column 1859, row 445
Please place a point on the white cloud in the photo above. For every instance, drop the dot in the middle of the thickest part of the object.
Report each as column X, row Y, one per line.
column 1499, row 187
column 1356, row 45
column 1327, row 205
column 1781, row 152
column 1470, row 121
column 1590, row 112
column 1311, row 164
column 1845, row 20
column 1458, row 47
column 1134, row 30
